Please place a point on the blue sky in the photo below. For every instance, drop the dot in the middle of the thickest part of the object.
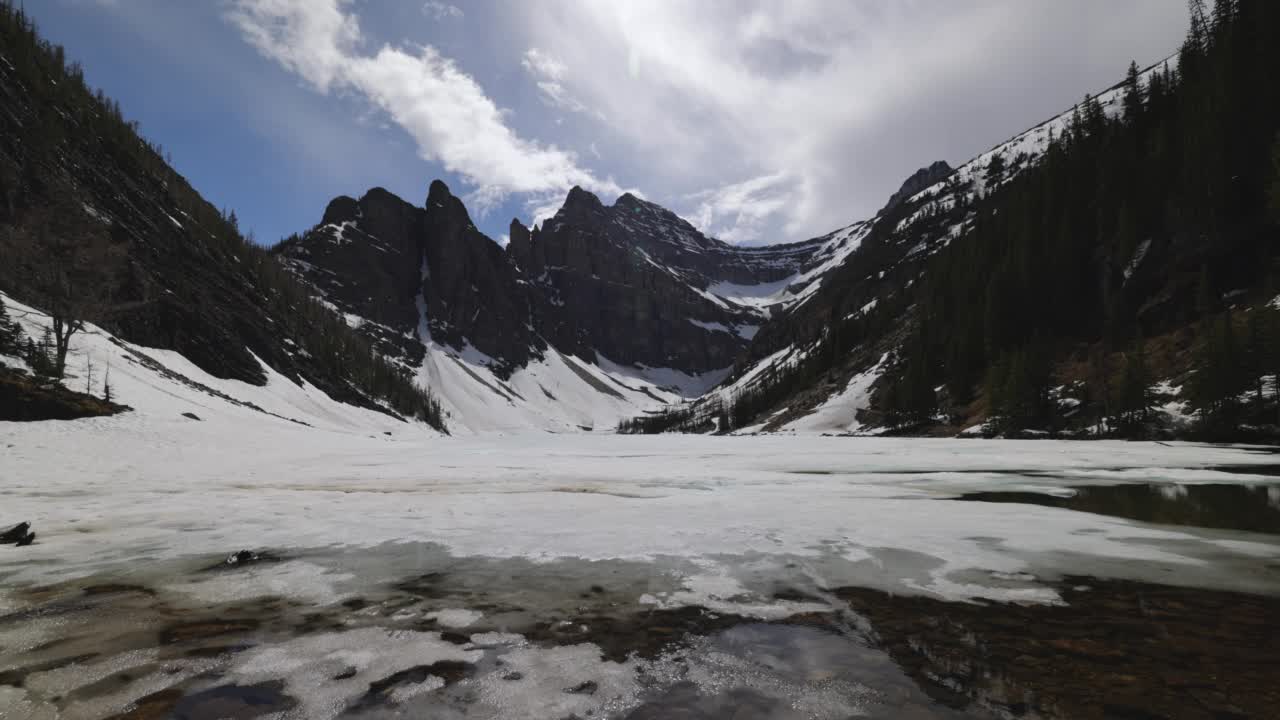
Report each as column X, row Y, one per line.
column 759, row 121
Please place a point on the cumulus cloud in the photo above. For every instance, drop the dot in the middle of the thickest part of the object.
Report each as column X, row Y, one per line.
column 444, row 110
column 760, row 120
column 805, row 115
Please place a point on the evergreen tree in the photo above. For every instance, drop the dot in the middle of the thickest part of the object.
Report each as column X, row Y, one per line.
column 1198, row 35
column 1255, row 351
column 1098, row 387
column 1206, row 297
column 1134, row 399
column 995, row 169
column 10, row 333
column 40, row 356
column 911, row 399
column 1271, row 348
column 1018, row 390
column 1219, row 378
column 1132, row 94
column 1224, row 12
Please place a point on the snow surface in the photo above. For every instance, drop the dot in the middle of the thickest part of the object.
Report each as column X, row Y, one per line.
column 706, row 521
column 107, row 491
column 798, row 287
column 840, row 412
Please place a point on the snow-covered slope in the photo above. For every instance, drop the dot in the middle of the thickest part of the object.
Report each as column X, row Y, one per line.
column 842, row 282
column 794, row 289
column 1018, row 152
column 162, row 385
column 555, row 393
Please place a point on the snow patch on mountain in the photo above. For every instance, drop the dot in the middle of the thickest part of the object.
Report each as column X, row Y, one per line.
column 840, row 413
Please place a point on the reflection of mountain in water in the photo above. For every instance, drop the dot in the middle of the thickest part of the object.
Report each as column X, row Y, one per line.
column 1116, row 649
column 1255, row 508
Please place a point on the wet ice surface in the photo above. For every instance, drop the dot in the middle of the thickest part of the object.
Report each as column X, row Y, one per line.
column 552, row 639
column 554, row 577
column 1254, row 508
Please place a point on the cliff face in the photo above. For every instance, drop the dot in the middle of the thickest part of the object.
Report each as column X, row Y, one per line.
column 919, row 181
column 631, row 282
column 398, row 270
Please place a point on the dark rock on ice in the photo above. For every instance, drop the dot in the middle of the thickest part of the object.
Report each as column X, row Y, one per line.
column 16, row 533
column 587, row 688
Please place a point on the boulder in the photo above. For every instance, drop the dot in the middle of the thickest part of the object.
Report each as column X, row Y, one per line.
column 15, row 534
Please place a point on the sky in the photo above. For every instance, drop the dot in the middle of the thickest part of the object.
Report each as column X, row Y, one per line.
column 759, row 121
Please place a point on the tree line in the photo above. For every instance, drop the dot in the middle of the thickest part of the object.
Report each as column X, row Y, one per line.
column 1161, row 217
column 1184, row 178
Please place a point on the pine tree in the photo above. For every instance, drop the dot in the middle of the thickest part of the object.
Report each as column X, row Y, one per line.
column 1219, row 376
column 1206, row 298
column 10, row 333
column 1095, row 119
column 1198, row 35
column 1255, row 351
column 1271, row 348
column 995, row 169
column 106, row 382
column 1098, row 387
column 1132, row 94
column 911, row 398
column 1224, row 11
column 40, row 356
column 1134, row 398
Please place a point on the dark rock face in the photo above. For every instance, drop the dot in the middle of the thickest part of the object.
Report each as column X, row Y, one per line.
column 919, row 180
column 472, row 290
column 625, row 281
column 630, row 281
column 388, row 262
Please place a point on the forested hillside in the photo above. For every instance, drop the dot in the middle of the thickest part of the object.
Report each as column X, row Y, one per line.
column 1054, row 292
column 1128, row 228
column 96, row 227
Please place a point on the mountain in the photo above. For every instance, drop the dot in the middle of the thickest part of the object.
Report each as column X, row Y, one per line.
column 600, row 312
column 1105, row 272
column 92, row 217
column 919, row 181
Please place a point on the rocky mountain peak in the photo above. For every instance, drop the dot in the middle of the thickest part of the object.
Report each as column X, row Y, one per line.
column 339, row 210
column 919, row 180
column 580, row 197
column 438, row 193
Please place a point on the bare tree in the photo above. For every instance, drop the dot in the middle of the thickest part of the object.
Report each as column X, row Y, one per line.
column 62, row 259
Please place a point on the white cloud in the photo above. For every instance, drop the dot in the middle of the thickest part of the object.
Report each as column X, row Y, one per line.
column 740, row 212
column 441, row 107
column 818, row 110
column 550, row 74
column 541, row 64
column 442, row 11
column 762, row 120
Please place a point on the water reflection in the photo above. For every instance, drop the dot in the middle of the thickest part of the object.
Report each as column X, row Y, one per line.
column 1255, row 508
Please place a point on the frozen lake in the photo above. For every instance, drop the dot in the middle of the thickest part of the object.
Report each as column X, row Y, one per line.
column 606, row 576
